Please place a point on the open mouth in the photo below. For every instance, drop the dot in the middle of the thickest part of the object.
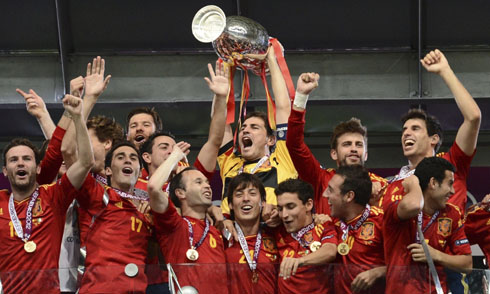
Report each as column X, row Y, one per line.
column 409, row 142
column 139, row 138
column 208, row 194
column 127, row 171
column 21, row 173
column 247, row 142
column 246, row 208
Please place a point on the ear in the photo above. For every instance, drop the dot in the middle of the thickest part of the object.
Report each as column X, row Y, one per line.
column 38, row 169
column 271, row 140
column 349, row 196
column 4, row 169
column 432, row 183
column 333, row 154
column 309, row 205
column 180, row 193
column 108, row 171
column 146, row 157
column 365, row 155
column 434, row 139
column 107, row 145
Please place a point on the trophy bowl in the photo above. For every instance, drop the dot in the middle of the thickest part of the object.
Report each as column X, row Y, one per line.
column 208, row 23
column 242, row 36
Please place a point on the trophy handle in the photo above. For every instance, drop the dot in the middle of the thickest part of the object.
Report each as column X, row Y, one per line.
column 208, row 23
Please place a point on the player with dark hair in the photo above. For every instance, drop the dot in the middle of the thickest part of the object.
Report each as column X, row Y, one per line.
column 422, row 135
column 424, row 207
column 304, row 247
column 251, row 260
column 360, row 238
column 141, row 123
column 33, row 216
column 348, row 146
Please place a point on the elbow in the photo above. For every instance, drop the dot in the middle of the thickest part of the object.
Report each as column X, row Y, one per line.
column 468, row 266
column 475, row 117
column 89, row 164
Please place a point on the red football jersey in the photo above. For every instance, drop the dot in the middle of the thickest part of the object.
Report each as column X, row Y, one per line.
column 239, row 272
column 118, row 236
column 445, row 234
column 309, row 169
column 36, row 272
column 208, row 273
column 308, row 279
column 52, row 160
column 477, row 227
column 366, row 252
column 461, row 162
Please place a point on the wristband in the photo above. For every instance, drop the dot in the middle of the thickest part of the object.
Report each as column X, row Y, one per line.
column 300, row 100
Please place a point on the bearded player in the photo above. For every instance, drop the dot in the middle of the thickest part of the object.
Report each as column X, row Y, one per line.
column 32, row 217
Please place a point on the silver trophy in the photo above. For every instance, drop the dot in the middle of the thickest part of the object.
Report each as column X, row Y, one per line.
column 233, row 37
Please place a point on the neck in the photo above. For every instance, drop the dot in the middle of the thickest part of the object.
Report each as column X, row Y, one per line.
column 354, row 211
column 123, row 187
column 428, row 209
column 414, row 160
column 308, row 220
column 194, row 212
column 249, row 228
column 21, row 194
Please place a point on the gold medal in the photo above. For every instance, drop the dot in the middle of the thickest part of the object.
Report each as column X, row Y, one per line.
column 192, row 254
column 30, row 246
column 315, row 245
column 343, row 248
column 255, row 277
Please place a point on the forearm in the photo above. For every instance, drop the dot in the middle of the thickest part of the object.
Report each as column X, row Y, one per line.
column 280, row 90
column 158, row 198
column 218, row 121
column 460, row 263
column 47, row 125
column 466, row 104
column 68, row 145
column 378, row 272
column 85, row 154
column 89, row 103
column 324, row 255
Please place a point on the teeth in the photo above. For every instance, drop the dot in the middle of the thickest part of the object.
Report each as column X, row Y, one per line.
column 127, row 170
column 409, row 142
column 139, row 138
column 247, row 207
column 246, row 141
column 21, row 172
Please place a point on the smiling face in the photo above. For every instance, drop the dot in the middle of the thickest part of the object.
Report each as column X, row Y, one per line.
column 335, row 197
column 197, row 190
column 21, row 168
column 125, row 168
column 351, row 149
column 293, row 212
column 253, row 139
column 441, row 192
column 247, row 204
column 141, row 127
column 160, row 151
column 416, row 142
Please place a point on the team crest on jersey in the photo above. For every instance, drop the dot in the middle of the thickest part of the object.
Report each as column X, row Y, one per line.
column 444, row 226
column 367, row 231
column 38, row 208
column 269, row 245
column 308, row 237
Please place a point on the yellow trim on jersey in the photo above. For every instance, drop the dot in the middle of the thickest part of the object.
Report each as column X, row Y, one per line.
column 230, row 164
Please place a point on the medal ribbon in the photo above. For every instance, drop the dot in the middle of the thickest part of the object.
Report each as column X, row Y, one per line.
column 419, row 222
column 404, row 172
column 256, row 167
column 15, row 219
column 243, row 243
column 299, row 235
column 345, row 228
column 191, row 234
column 130, row 196
column 100, row 178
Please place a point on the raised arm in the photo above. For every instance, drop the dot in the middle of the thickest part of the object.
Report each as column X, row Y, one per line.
column 158, row 198
column 279, row 88
column 467, row 135
column 413, row 201
column 37, row 108
column 92, row 86
column 218, row 84
column 79, row 170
